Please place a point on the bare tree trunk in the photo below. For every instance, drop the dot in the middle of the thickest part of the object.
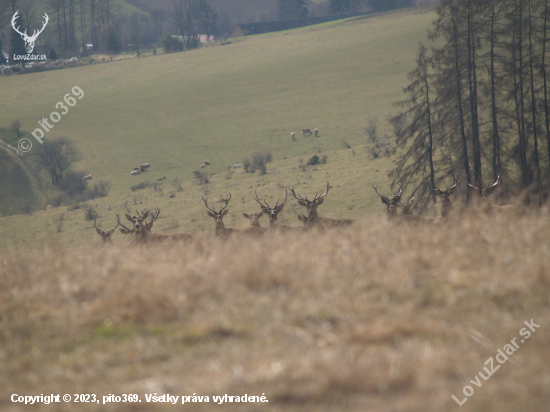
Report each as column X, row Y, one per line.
column 476, row 146
column 534, row 107
column 543, row 68
column 465, row 159
column 497, row 165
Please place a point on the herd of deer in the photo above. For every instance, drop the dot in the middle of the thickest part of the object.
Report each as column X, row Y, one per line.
column 447, row 208
column 142, row 233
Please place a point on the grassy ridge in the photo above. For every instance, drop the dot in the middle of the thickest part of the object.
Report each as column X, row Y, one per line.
column 221, row 104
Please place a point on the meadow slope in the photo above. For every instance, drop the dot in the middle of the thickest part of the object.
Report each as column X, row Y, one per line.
column 222, row 104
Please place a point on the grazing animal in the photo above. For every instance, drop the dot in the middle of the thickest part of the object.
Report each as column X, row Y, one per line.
column 203, row 165
column 106, row 236
column 237, row 166
column 316, row 131
column 206, row 163
column 87, row 177
column 293, row 136
column 196, row 173
column 306, row 130
column 221, row 231
column 162, row 178
column 145, row 165
column 134, row 172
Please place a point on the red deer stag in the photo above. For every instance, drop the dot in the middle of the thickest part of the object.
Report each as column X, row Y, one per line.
column 142, row 229
column 221, row 231
column 313, row 218
column 391, row 204
column 106, row 236
column 445, row 196
column 488, row 208
column 273, row 213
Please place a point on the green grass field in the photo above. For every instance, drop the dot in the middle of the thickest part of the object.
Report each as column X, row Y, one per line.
column 222, row 104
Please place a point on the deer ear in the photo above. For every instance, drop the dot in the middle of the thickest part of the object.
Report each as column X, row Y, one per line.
column 210, row 213
column 280, row 207
column 302, row 203
column 260, row 214
column 145, row 215
column 265, row 209
column 123, row 231
column 300, row 217
column 225, row 212
column 384, row 200
column 128, row 217
column 246, row 215
column 98, row 231
column 320, row 201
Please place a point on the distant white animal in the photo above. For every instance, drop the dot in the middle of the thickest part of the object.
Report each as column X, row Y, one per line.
column 135, row 172
column 237, row 166
column 316, row 131
column 87, row 177
column 293, row 136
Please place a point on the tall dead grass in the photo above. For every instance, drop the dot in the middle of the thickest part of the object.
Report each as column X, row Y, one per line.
column 385, row 317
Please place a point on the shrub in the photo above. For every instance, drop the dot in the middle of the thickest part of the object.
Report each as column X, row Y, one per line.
column 140, row 186
column 246, row 164
column 171, row 44
column 101, row 189
column 90, row 213
column 259, row 161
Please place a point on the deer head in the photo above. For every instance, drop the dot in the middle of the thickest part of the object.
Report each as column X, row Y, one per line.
column 483, row 194
column 218, row 215
column 311, row 205
column 272, row 212
column 391, row 204
column 254, row 218
column 301, row 217
column 29, row 40
column 106, row 236
column 445, row 196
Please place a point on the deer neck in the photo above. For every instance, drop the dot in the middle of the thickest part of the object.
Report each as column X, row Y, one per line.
column 220, row 230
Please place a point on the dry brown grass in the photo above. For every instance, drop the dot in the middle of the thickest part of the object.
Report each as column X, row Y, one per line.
column 378, row 318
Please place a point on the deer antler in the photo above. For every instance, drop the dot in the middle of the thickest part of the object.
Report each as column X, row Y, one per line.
column 298, row 213
column 124, row 227
column 399, row 193
column 155, row 217
column 492, row 188
column 258, row 200
column 298, row 197
column 98, row 229
column 206, row 204
column 375, row 189
column 226, row 203
column 322, row 196
column 286, row 196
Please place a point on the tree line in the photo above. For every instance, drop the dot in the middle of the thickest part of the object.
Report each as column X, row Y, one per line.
column 477, row 101
column 75, row 23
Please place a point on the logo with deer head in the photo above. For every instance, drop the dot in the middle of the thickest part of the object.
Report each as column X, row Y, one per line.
column 29, row 40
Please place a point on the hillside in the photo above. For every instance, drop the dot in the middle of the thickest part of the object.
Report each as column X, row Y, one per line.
column 221, row 104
